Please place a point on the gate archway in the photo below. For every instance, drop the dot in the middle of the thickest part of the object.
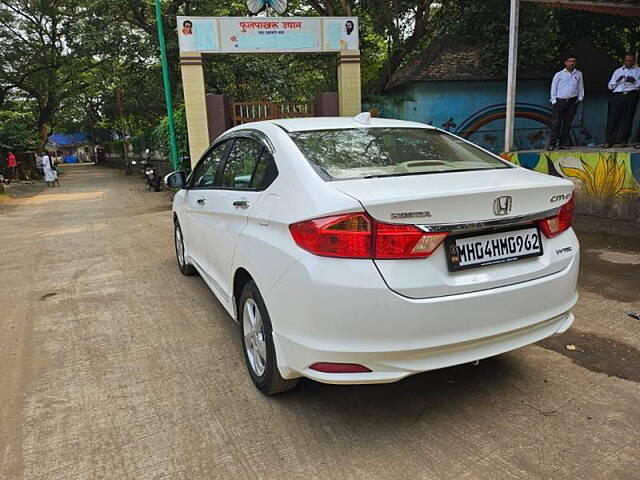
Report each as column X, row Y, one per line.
column 238, row 35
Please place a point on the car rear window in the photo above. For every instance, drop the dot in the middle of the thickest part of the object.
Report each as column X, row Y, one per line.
column 383, row 152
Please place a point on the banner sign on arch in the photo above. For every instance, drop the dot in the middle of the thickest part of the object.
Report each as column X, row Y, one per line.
column 267, row 34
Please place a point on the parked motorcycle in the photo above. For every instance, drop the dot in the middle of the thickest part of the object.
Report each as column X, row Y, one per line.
column 151, row 177
column 149, row 173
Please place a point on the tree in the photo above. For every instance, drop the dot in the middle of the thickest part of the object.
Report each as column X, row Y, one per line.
column 16, row 131
column 486, row 24
column 43, row 53
column 395, row 28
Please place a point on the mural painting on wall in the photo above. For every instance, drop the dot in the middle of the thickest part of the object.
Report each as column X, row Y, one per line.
column 532, row 127
column 533, row 124
column 599, row 175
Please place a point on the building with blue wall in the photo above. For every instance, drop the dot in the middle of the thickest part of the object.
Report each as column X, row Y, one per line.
column 447, row 86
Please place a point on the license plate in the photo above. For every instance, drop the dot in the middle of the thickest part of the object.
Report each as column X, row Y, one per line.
column 501, row 247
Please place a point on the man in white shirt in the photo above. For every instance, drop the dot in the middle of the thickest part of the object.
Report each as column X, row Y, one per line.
column 624, row 85
column 567, row 90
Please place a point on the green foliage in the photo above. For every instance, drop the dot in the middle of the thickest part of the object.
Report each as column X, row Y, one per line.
column 17, row 132
column 47, row 52
column 93, row 65
column 114, row 146
column 160, row 135
column 270, row 77
column 614, row 34
column 545, row 33
column 156, row 138
column 486, row 24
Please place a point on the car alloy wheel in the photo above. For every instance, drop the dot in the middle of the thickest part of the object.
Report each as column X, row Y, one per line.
column 184, row 267
column 179, row 246
column 254, row 338
column 257, row 343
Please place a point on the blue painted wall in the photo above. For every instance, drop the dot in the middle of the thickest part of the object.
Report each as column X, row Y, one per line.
column 460, row 106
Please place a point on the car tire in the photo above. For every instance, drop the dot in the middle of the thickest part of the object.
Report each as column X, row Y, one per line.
column 257, row 343
column 185, row 268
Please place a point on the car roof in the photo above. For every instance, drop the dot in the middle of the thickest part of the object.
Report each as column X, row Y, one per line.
column 333, row 123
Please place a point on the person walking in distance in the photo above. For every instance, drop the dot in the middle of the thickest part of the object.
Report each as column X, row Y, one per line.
column 567, row 90
column 50, row 173
column 13, row 166
column 624, row 85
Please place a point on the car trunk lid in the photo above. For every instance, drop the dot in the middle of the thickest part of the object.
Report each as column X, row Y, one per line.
column 455, row 197
column 461, row 202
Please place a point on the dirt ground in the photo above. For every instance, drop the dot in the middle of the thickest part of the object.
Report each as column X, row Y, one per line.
column 114, row 365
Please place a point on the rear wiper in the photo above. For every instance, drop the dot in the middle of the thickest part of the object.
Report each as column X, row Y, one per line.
column 376, row 176
column 382, row 175
column 431, row 172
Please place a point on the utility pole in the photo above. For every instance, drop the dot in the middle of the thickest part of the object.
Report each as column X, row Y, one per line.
column 511, row 77
column 167, row 88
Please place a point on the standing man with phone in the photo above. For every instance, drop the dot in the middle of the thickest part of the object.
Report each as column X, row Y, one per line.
column 567, row 90
column 624, row 85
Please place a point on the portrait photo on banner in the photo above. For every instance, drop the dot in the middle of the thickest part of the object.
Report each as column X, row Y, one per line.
column 197, row 34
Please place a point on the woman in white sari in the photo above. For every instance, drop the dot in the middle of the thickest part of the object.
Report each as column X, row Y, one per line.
column 50, row 173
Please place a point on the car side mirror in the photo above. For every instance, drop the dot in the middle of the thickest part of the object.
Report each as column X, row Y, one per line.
column 176, row 179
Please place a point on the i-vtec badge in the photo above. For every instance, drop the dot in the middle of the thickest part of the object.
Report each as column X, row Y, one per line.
column 562, row 196
column 564, row 250
column 399, row 215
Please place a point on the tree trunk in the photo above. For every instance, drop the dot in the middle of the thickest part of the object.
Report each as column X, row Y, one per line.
column 401, row 48
column 43, row 130
column 393, row 63
column 123, row 128
column 45, row 114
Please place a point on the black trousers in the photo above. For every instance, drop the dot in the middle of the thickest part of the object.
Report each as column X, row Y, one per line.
column 563, row 112
column 622, row 108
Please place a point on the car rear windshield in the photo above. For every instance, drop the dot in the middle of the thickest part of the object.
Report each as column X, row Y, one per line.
column 384, row 152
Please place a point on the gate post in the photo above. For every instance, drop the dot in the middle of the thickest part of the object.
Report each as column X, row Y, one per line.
column 218, row 115
column 327, row 104
column 349, row 94
column 195, row 104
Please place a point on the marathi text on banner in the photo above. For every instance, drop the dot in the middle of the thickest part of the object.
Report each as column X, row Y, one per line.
column 267, row 34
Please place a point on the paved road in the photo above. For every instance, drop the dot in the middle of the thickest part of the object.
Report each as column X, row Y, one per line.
column 113, row 365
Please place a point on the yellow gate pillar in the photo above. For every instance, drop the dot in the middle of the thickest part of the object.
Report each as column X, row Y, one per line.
column 195, row 104
column 349, row 94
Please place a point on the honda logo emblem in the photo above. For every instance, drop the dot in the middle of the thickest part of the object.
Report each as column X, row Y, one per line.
column 502, row 205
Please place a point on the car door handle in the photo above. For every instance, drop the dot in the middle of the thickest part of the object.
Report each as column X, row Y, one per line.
column 241, row 204
column 201, row 201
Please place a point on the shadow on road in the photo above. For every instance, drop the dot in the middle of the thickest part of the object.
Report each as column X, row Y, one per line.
column 414, row 398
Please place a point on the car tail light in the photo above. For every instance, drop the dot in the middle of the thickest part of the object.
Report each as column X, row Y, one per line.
column 404, row 241
column 337, row 236
column 326, row 367
column 557, row 224
column 356, row 235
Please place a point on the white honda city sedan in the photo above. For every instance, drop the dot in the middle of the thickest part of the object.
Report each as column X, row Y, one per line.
column 360, row 250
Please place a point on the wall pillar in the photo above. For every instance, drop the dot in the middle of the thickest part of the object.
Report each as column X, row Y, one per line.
column 349, row 94
column 195, row 104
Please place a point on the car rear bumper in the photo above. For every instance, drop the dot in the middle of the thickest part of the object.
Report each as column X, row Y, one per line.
column 393, row 366
column 336, row 310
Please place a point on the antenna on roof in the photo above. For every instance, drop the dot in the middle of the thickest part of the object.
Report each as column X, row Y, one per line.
column 364, row 117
